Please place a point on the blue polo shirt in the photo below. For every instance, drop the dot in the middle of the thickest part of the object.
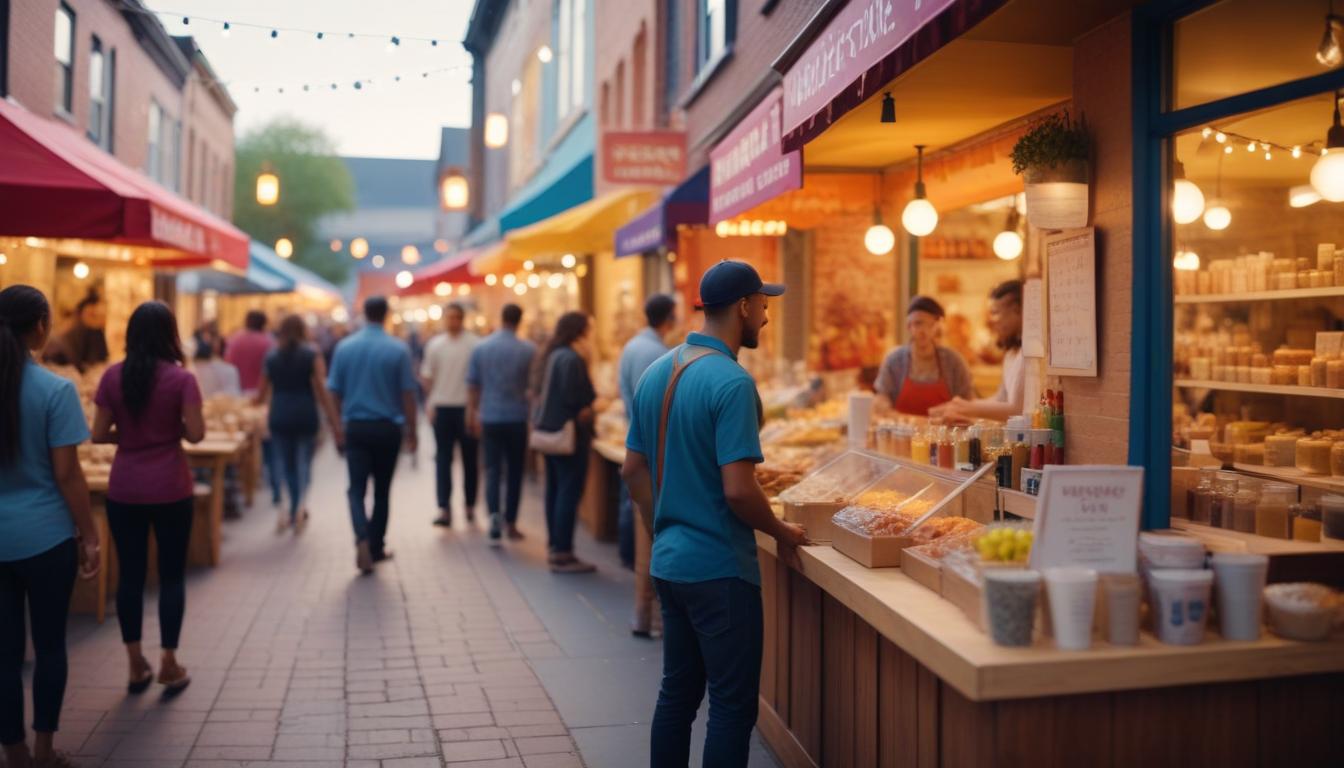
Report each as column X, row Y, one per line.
column 714, row 421
column 369, row 372
column 640, row 352
column 499, row 368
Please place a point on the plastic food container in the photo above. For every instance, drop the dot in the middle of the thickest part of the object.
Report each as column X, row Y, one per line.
column 1301, row 610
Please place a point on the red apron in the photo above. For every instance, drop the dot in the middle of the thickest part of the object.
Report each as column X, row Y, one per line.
column 917, row 397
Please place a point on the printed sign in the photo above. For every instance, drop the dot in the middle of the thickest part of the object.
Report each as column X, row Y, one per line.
column 749, row 167
column 1088, row 516
column 856, row 39
column 644, row 157
column 1033, row 331
column 1071, row 303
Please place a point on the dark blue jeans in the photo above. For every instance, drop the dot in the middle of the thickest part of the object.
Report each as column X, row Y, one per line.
column 371, row 451
column 450, row 430
column 505, row 446
column 130, row 525
column 625, row 528
column 43, row 582
column 565, row 478
column 712, row 632
column 294, row 462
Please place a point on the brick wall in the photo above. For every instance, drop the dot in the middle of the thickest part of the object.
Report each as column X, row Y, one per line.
column 1098, row 408
column 207, row 147
column 616, row 35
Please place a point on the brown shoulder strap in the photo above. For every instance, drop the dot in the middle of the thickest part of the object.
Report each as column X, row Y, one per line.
column 678, row 367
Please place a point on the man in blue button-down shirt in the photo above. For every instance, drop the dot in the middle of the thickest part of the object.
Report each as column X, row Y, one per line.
column 374, row 386
column 708, row 504
column 497, row 411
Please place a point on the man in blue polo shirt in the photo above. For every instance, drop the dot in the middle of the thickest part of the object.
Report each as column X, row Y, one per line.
column 704, row 549
column 375, row 388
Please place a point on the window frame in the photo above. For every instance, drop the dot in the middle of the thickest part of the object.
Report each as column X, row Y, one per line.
column 154, row 140
column 100, row 119
column 569, row 36
column 65, row 102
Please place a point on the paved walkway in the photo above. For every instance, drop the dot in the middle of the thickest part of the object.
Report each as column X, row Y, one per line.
column 452, row 653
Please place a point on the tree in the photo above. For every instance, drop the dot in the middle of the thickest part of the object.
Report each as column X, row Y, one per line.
column 313, row 183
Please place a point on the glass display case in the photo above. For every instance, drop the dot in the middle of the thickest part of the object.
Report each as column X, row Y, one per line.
column 814, row 500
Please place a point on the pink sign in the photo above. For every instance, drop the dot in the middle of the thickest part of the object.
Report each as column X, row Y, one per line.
column 857, row 38
column 749, row 166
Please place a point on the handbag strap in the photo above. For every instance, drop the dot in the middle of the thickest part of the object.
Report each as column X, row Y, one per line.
column 545, row 389
column 679, row 367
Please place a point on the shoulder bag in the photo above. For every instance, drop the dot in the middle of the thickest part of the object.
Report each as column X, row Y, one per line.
column 560, row 442
column 679, row 367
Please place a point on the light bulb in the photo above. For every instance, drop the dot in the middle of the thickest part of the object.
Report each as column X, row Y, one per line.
column 463, row 290
column 336, row 245
column 568, row 261
column 919, row 217
column 1220, row 137
column 1267, row 155
column 555, row 280
column 529, row 265
column 421, row 315
column 268, row 188
column 534, row 280
column 1227, row 150
column 544, row 54
column 404, row 279
column 1303, row 195
column 1206, row 132
column 359, row 247
column 879, row 239
column 491, row 279
column 1217, row 217
column 1250, row 146
column 1008, row 245
column 510, row 280
column 1327, row 177
column 410, row 254
column 516, row 87
column 1329, row 53
column 81, row 270
column 496, row 132
column 1187, row 201
column 378, row 261
column 1186, row 261
column 1297, row 152
column 442, row 289
column 520, row 289
column 284, row 247
column 436, row 312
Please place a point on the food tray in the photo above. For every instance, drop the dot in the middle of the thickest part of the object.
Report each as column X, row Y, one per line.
column 870, row 551
column 815, row 517
column 963, row 588
column 922, row 568
column 839, row 480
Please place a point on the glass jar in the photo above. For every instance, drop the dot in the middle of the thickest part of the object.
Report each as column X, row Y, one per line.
column 1332, row 517
column 919, row 447
column 1243, row 510
column 1224, row 499
column 1307, row 525
column 1272, row 512
column 947, row 447
column 901, row 438
column 1200, row 501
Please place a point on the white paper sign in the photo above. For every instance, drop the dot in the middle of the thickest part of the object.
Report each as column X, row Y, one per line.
column 1033, row 337
column 1088, row 516
column 1071, row 302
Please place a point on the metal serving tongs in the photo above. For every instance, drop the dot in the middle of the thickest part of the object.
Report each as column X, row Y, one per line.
column 936, row 508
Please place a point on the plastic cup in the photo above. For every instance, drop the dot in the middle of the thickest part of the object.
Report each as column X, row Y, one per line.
column 1181, row 604
column 1073, row 597
column 860, row 413
column 1010, row 604
column 1239, row 580
column 1121, row 593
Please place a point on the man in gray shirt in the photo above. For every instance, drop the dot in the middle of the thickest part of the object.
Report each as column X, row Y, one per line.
column 497, row 411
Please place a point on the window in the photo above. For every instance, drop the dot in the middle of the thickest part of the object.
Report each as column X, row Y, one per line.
column 100, row 95
column 672, row 50
column 65, row 58
column 604, row 104
column 572, row 59
column 638, row 75
column 714, row 31
column 619, row 117
column 173, row 164
column 154, row 143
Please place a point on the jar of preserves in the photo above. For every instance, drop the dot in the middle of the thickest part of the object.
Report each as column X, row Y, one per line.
column 1272, row 511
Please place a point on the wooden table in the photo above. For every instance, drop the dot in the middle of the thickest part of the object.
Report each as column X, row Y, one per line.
column 599, row 510
column 216, row 453
column 90, row 595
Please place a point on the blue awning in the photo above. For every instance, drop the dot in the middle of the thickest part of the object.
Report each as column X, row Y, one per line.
column 656, row 228
column 572, row 187
column 258, row 279
column 299, row 279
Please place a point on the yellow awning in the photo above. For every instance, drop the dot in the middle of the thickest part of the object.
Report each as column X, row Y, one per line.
column 493, row 258
column 587, row 228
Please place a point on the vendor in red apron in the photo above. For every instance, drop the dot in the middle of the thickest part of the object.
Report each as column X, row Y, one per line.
column 922, row 373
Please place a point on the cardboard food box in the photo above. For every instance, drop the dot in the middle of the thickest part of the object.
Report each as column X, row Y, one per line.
column 871, row 551
column 965, row 593
column 814, row 516
column 922, row 568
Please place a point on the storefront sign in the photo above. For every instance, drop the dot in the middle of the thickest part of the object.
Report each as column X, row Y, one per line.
column 643, row 157
column 170, row 229
column 750, row 167
column 1088, row 516
column 856, row 39
column 644, row 233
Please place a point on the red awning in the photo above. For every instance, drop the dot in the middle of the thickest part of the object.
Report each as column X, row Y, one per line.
column 56, row 183
column 453, row 270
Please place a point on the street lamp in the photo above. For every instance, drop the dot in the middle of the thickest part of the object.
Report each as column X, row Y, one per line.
column 453, row 191
column 359, row 247
column 284, row 247
column 268, row 187
column 496, row 130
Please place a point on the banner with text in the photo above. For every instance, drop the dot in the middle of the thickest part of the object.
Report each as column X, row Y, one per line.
column 652, row 158
column 750, row 166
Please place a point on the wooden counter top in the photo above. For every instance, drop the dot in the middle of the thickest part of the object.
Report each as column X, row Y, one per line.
column 939, row 636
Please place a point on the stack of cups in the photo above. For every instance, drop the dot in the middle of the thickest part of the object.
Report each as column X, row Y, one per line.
column 1122, row 607
column 1240, row 582
column 1010, row 604
column 1072, row 593
column 860, row 414
column 1180, row 600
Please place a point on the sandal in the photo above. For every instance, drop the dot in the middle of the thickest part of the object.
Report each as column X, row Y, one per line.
column 142, row 684
column 175, row 683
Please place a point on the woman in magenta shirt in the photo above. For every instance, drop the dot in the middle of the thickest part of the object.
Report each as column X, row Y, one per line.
column 147, row 405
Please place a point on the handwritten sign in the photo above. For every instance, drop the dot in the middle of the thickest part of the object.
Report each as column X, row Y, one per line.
column 643, row 157
column 1033, row 326
column 1088, row 516
column 750, row 166
column 1071, row 302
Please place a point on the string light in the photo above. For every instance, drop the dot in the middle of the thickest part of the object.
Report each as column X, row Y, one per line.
column 1297, row 152
column 360, row 84
column 1256, row 145
column 226, row 25
column 1220, row 137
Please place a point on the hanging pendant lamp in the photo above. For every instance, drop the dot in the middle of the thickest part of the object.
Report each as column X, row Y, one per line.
column 1327, row 175
column 1216, row 216
column 919, row 217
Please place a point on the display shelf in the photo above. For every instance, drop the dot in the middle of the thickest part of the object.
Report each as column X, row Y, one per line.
column 1294, row 476
column 1233, row 298
column 1018, row 503
column 1223, row 540
column 1263, row 389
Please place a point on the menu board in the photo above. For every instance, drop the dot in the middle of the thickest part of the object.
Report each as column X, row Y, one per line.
column 1088, row 516
column 1071, row 302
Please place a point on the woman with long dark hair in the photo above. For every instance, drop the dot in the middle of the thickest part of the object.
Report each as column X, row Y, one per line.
column 148, row 404
column 45, row 524
column 294, row 380
column 565, row 393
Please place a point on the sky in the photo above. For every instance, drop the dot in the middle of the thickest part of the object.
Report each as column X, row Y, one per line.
column 387, row 119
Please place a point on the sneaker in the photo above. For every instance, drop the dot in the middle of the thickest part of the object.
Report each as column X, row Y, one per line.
column 282, row 522
column 495, row 533
column 301, row 521
column 363, row 559
column 572, row 565
column 515, row 534
column 444, row 520
column 386, row 554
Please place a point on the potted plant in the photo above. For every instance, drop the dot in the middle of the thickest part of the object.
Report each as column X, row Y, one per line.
column 1052, row 159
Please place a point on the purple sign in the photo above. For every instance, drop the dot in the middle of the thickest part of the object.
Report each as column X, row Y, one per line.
column 749, row 166
column 644, row 233
column 856, row 39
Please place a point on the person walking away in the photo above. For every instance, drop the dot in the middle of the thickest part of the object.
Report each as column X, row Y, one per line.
column 923, row 374
column 635, row 542
column 565, row 394
column 374, row 389
column 444, row 373
column 695, row 431
column 213, row 375
column 497, row 408
column 294, row 382
column 246, row 350
column 45, row 524
column 146, row 405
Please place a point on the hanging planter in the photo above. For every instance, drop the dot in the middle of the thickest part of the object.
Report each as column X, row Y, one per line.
column 1052, row 159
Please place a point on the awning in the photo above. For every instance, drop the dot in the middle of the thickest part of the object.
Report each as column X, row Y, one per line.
column 656, row 228
column 586, row 228
column 302, row 280
column 452, row 269
column 493, row 258
column 257, row 281
column 569, row 188
column 55, row 183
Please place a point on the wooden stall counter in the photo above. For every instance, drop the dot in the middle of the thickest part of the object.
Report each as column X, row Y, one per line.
column 868, row 667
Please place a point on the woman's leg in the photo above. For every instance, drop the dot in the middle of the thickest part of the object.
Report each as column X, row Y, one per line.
column 129, row 525
column 286, row 453
column 573, row 477
column 11, row 665
column 172, row 530
column 303, row 468
column 553, row 471
column 49, row 579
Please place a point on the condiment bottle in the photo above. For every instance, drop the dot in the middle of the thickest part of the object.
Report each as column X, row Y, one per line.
column 975, row 446
column 1201, row 496
column 947, row 447
column 1243, row 510
column 919, row 446
column 1057, row 430
column 934, row 446
column 1003, row 466
column 1307, row 525
column 1020, row 453
column 1224, row 500
column 1272, row 513
column 961, row 451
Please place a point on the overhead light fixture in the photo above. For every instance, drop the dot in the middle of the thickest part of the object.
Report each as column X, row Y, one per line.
column 919, row 217
column 496, row 132
column 1302, row 196
column 534, row 280
column 1327, row 175
column 544, row 54
column 879, row 239
column 1216, row 216
column 510, row 280
column 1008, row 243
column 1186, row 261
column 80, row 270
column 888, row 108
column 491, row 279
column 529, row 265
column 1187, row 200
column 568, row 261
column 1329, row 53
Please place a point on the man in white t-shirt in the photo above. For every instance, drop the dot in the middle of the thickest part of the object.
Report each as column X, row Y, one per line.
column 1005, row 318
column 444, row 375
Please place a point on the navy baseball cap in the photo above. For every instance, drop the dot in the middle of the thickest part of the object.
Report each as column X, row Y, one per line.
column 730, row 281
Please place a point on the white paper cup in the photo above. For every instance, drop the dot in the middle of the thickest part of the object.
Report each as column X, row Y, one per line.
column 1239, row 580
column 1121, row 593
column 1073, row 596
column 1010, row 604
column 860, row 414
column 1180, row 604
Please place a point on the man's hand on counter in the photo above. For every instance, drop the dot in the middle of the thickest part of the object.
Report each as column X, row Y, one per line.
column 788, row 538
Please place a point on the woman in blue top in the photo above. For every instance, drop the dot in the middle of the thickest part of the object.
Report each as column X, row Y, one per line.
column 45, row 524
